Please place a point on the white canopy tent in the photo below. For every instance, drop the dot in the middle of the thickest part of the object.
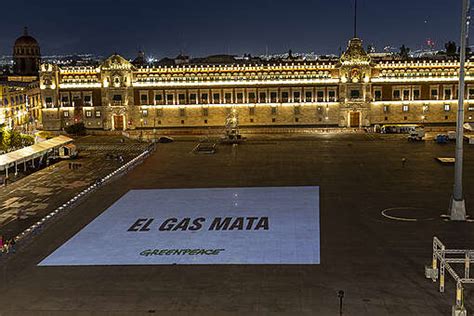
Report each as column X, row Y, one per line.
column 29, row 153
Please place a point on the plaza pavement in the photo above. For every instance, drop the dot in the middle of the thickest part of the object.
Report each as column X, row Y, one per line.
column 378, row 262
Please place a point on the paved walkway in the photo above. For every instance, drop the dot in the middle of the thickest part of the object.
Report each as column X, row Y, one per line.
column 41, row 192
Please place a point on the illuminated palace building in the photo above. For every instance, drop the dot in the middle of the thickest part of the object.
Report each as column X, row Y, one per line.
column 356, row 90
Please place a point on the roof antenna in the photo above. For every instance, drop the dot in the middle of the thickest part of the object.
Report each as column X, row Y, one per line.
column 355, row 18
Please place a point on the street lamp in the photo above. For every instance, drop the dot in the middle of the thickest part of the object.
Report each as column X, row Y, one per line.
column 458, row 206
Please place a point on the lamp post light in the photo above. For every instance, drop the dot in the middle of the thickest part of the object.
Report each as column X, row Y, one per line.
column 457, row 205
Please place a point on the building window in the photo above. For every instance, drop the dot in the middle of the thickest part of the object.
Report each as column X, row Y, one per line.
column 97, row 114
column 426, row 108
column 297, row 119
column 273, row 97
column 405, row 108
column 296, row 96
column 405, row 118
column 158, row 99
column 470, row 108
column 378, row 95
column 434, row 94
column 181, row 98
column 355, row 94
column 386, row 109
column 447, row 107
column 143, row 98
column 274, row 110
column 66, row 113
column 251, row 110
column 192, row 98
column 447, row 94
column 406, row 94
column 471, row 93
column 228, row 97
column 308, row 96
column 216, row 98
column 396, row 94
column 252, row 97
column 251, row 120
column 182, row 112
column 297, row 110
column 204, row 98
column 169, row 99
column 240, row 97
column 332, row 95
column 273, row 120
column 205, row 112
column 87, row 99
column 65, row 100
column 88, row 113
column 284, row 97
column 386, row 118
column 117, row 99
column 320, row 96
column 262, row 97
column 144, row 113
column 205, row 121
column 416, row 94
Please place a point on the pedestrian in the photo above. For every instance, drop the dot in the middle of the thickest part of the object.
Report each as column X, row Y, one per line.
column 12, row 245
column 404, row 161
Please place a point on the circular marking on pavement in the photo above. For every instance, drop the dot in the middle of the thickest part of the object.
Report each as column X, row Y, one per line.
column 410, row 214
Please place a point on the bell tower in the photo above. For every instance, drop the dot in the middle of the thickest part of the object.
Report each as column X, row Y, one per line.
column 354, row 88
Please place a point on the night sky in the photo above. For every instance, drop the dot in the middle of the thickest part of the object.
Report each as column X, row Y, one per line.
column 204, row 27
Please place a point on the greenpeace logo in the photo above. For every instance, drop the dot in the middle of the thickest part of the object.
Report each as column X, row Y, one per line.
column 181, row 252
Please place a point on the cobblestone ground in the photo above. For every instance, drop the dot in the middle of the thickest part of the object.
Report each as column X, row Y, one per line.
column 40, row 192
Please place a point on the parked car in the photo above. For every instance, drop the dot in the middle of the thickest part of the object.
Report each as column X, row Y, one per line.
column 417, row 134
column 441, row 138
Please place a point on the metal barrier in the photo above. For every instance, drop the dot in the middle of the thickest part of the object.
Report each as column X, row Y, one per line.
column 125, row 168
column 446, row 257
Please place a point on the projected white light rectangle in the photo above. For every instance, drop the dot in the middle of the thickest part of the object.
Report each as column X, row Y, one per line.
column 266, row 225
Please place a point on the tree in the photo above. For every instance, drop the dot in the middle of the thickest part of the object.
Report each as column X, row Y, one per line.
column 76, row 129
column 450, row 48
column 371, row 48
column 404, row 52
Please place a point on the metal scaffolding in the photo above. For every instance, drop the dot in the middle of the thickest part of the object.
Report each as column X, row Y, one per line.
column 446, row 257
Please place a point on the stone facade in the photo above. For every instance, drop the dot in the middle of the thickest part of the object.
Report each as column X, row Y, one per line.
column 355, row 90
